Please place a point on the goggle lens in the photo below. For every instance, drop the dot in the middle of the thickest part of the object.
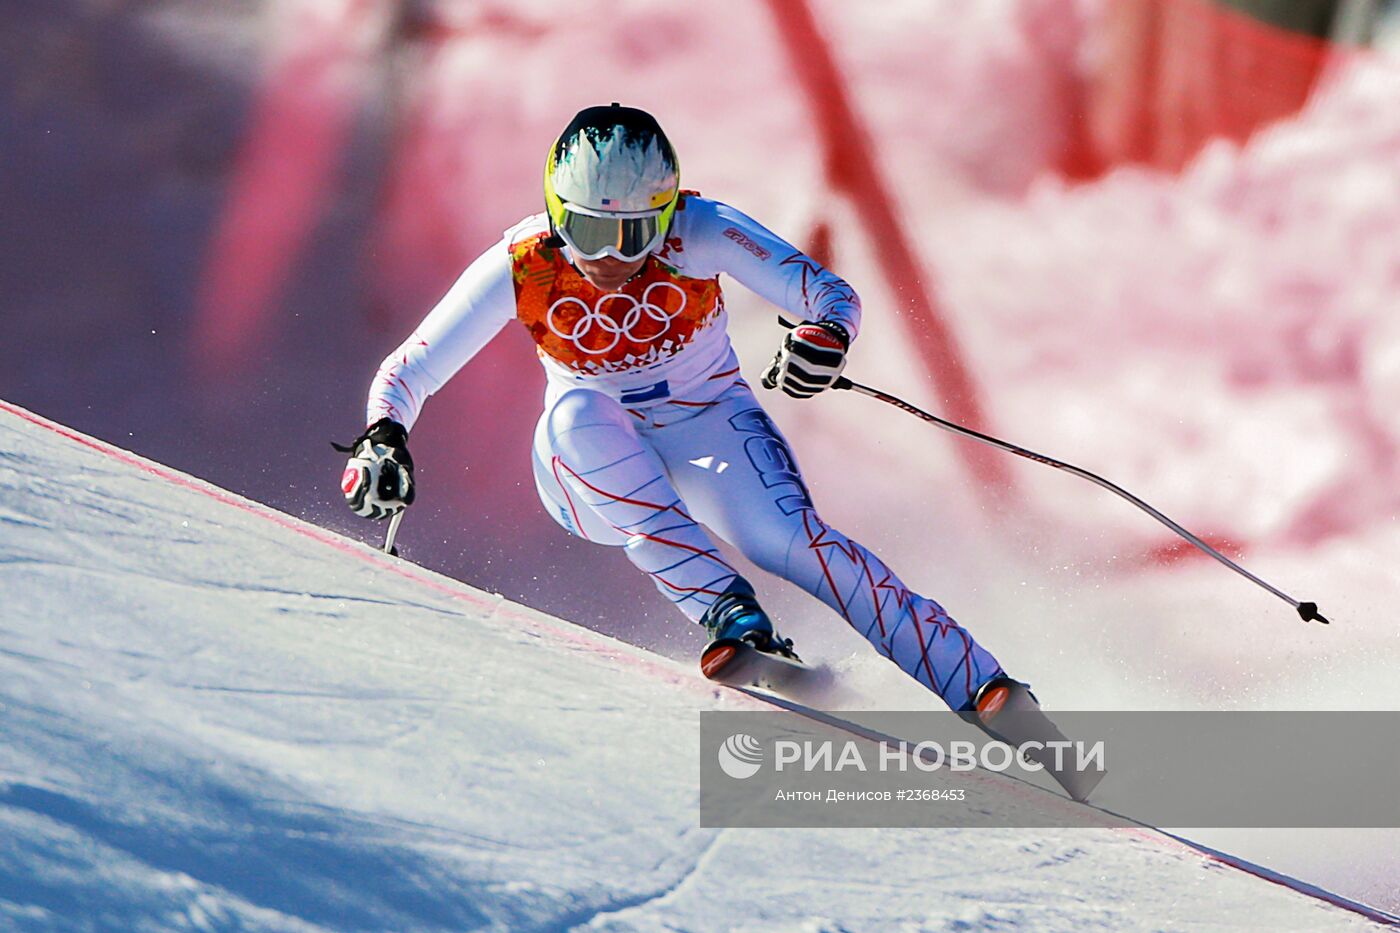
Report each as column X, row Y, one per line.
column 625, row 238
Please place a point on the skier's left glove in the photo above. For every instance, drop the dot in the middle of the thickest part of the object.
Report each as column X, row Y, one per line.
column 378, row 478
column 810, row 359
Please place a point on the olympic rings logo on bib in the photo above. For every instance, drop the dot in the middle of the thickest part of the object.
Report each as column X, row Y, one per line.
column 595, row 321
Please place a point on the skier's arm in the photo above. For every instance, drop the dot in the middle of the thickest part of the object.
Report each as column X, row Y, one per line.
column 813, row 354
column 770, row 266
column 472, row 312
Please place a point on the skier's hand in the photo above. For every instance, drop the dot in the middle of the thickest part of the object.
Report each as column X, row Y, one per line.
column 378, row 478
column 810, row 359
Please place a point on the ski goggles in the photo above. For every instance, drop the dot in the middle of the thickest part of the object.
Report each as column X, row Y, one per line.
column 594, row 234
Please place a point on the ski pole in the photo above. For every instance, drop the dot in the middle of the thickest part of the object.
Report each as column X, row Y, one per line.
column 392, row 533
column 1307, row 610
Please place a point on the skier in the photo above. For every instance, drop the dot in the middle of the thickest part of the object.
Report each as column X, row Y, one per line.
column 648, row 430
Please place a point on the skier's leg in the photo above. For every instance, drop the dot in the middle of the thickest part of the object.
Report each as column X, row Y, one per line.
column 559, row 498
column 739, row 477
column 603, row 482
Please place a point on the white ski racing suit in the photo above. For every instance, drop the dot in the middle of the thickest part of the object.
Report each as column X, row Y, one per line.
column 649, row 431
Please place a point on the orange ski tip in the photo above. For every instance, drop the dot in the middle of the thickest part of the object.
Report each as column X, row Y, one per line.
column 712, row 662
column 991, row 704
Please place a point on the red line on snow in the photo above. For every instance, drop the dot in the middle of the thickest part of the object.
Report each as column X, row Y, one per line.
column 497, row 607
column 593, row 642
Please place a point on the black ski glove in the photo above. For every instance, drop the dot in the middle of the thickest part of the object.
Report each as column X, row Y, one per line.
column 810, row 359
column 378, row 478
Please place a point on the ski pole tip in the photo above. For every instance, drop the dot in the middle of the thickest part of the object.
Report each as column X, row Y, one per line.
column 1310, row 614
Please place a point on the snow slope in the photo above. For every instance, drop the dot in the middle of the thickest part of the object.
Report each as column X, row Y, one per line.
column 218, row 717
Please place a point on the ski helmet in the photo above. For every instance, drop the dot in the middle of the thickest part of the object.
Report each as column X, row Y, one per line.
column 611, row 183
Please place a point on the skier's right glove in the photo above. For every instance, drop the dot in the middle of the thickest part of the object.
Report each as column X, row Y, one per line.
column 378, row 478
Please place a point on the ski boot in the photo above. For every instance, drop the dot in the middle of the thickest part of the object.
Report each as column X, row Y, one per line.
column 1000, row 693
column 1006, row 710
column 735, row 621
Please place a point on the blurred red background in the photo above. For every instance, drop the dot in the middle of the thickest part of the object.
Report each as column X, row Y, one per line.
column 223, row 214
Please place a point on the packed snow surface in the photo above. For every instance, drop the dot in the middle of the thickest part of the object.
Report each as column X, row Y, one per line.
column 217, row 717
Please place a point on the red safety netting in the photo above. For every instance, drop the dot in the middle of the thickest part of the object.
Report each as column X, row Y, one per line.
column 1174, row 74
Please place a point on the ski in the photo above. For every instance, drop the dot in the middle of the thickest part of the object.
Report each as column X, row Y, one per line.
column 738, row 663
